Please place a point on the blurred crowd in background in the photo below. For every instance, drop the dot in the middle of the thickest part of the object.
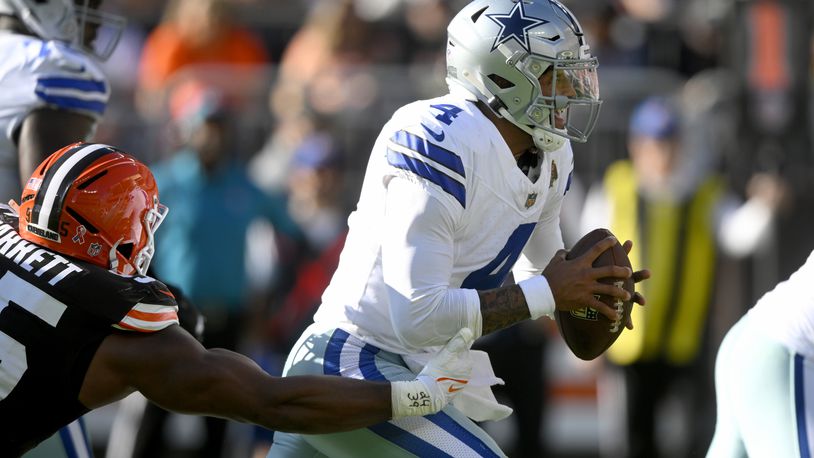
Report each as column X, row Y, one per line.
column 258, row 116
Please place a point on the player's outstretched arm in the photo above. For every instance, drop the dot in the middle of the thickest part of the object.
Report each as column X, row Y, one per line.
column 173, row 370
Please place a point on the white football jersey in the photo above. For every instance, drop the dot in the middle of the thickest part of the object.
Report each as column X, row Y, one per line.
column 36, row 74
column 786, row 313
column 444, row 211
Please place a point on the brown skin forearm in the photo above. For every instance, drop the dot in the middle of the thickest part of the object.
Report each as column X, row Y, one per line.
column 230, row 385
column 173, row 370
column 307, row 404
column 502, row 307
column 46, row 130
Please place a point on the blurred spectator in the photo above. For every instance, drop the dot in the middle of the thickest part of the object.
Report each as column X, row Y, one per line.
column 330, row 77
column 315, row 201
column 204, row 244
column 426, row 22
column 195, row 33
column 615, row 38
column 315, row 191
column 671, row 200
column 327, row 59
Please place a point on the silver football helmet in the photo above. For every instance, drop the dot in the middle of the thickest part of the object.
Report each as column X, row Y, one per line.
column 529, row 62
column 73, row 21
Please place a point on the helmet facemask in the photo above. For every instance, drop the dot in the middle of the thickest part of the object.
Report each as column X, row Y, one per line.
column 77, row 22
column 98, row 32
column 153, row 218
column 567, row 106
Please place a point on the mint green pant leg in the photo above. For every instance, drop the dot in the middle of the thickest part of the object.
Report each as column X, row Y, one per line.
column 759, row 389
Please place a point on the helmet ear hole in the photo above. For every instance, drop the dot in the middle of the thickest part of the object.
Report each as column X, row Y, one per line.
column 501, row 82
column 125, row 249
column 90, row 227
column 90, row 180
column 478, row 14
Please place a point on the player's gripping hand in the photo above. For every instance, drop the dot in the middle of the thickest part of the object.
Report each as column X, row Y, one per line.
column 440, row 380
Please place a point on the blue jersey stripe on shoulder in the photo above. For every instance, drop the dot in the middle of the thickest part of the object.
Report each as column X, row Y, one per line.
column 72, row 83
column 72, row 103
column 421, row 146
column 425, row 170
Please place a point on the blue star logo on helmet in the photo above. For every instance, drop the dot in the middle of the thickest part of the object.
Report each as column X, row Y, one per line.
column 515, row 25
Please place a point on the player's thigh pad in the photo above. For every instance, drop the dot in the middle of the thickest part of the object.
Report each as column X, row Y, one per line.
column 769, row 393
column 448, row 433
column 727, row 440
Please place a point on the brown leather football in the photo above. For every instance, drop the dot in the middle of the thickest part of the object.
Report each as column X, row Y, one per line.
column 587, row 332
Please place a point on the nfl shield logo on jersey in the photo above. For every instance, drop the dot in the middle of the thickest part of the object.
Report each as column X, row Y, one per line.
column 531, row 199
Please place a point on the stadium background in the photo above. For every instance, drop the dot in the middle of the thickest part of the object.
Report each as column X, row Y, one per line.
column 742, row 69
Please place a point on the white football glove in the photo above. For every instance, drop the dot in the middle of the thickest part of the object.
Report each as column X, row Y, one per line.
column 441, row 379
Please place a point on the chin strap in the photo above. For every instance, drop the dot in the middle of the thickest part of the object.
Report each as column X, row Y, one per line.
column 112, row 258
column 543, row 139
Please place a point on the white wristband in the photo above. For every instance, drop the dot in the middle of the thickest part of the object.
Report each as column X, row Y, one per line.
column 414, row 398
column 539, row 297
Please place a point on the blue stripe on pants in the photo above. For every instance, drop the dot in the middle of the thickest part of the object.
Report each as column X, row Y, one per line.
column 800, row 406
column 390, row 431
column 78, row 448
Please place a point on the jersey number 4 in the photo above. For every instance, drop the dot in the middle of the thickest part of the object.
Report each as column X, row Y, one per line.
column 16, row 292
column 494, row 273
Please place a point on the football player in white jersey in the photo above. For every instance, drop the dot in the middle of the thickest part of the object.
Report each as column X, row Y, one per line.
column 764, row 375
column 53, row 90
column 459, row 191
column 82, row 326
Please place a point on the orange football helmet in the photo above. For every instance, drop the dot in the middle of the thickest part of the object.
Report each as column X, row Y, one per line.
column 96, row 203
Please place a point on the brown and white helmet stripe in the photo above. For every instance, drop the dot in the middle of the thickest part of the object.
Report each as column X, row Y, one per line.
column 50, row 198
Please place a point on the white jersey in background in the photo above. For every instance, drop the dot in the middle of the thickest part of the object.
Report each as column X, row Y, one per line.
column 403, row 288
column 35, row 74
column 764, row 375
column 786, row 313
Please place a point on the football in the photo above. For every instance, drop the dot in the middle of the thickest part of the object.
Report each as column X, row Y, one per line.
column 587, row 332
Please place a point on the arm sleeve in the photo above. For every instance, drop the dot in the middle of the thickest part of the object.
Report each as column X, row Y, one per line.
column 417, row 259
